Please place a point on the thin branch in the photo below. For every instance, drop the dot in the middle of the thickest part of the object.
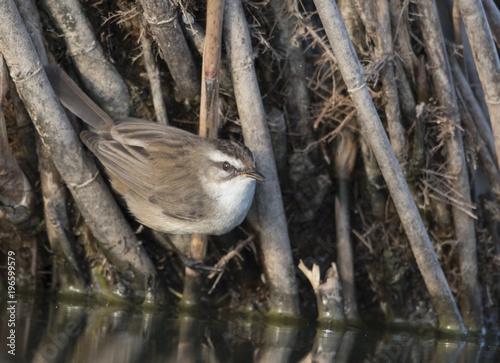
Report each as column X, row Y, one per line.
column 221, row 264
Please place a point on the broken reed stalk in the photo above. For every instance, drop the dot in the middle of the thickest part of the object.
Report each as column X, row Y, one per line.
column 274, row 241
column 93, row 198
column 352, row 72
column 486, row 59
column 153, row 75
column 161, row 16
column 444, row 90
column 99, row 76
column 209, row 126
column 328, row 292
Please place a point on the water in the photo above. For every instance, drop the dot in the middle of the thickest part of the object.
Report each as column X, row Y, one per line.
column 56, row 332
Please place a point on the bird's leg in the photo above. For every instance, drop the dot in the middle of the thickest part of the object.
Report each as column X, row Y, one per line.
column 193, row 264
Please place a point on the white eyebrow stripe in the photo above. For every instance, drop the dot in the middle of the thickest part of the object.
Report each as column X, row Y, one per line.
column 220, row 157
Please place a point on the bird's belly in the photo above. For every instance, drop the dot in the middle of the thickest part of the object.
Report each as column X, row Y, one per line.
column 229, row 212
column 232, row 211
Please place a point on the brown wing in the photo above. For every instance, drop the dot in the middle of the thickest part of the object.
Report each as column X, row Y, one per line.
column 151, row 160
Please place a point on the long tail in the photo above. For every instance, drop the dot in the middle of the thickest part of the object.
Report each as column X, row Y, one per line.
column 75, row 100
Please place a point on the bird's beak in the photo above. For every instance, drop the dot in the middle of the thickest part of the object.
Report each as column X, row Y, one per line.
column 254, row 174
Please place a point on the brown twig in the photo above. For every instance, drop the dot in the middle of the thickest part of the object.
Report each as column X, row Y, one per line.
column 209, row 107
column 364, row 241
column 208, row 127
column 221, row 264
column 464, row 207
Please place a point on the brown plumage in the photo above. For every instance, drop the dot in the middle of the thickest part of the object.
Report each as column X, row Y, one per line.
column 172, row 180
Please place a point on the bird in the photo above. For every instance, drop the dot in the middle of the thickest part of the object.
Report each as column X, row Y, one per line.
column 172, row 181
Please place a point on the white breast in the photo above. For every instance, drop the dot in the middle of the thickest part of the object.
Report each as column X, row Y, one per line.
column 233, row 199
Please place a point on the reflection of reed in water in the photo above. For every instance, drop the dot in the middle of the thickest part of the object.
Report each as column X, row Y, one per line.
column 84, row 333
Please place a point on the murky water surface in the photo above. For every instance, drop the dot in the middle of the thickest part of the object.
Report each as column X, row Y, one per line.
column 55, row 332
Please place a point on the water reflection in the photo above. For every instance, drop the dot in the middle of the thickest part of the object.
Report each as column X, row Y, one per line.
column 79, row 333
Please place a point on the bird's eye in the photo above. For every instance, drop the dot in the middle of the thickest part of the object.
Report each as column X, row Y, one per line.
column 226, row 166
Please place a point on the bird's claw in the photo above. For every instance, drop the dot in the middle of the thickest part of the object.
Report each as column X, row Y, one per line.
column 198, row 265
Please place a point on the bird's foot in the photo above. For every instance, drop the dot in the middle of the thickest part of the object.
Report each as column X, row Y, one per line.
column 198, row 265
